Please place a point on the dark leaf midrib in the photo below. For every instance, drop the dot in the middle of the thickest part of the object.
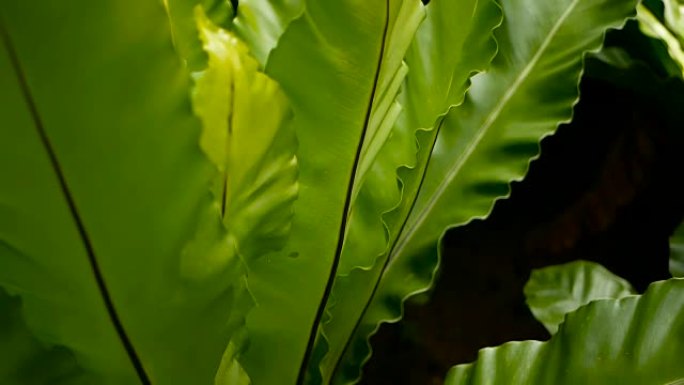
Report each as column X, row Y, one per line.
column 389, row 256
column 87, row 243
column 347, row 205
column 230, row 120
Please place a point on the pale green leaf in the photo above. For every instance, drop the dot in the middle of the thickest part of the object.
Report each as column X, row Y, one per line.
column 651, row 26
column 633, row 340
column 248, row 136
column 385, row 150
column 105, row 212
column 230, row 371
column 553, row 292
column 674, row 17
column 181, row 19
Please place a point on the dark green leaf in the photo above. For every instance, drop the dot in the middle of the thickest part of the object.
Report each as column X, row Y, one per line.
column 633, row 340
column 480, row 147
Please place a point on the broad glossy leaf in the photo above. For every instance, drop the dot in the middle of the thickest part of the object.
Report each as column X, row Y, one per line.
column 375, row 190
column 633, row 340
column 487, row 142
column 248, row 136
column 431, row 89
column 553, row 292
column 530, row 89
column 108, row 232
column 677, row 252
column 183, row 23
column 326, row 63
column 629, row 49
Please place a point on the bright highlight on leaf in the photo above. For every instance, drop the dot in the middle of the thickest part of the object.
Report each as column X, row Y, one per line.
column 375, row 190
column 633, row 340
column 476, row 148
column 105, row 199
column 555, row 291
column 467, row 49
column 253, row 206
column 651, row 26
column 247, row 134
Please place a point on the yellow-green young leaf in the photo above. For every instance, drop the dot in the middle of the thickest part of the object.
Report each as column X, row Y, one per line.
column 21, row 353
column 247, row 134
column 633, row 340
column 651, row 26
column 109, row 235
column 677, row 252
column 674, row 17
column 375, row 189
column 553, row 292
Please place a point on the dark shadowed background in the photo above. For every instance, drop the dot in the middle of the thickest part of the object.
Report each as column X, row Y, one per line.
column 605, row 189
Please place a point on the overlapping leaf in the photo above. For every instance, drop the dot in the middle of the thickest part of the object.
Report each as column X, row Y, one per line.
column 633, row 340
column 248, row 136
column 555, row 291
column 181, row 19
column 22, row 352
column 431, row 89
column 259, row 23
column 375, row 190
column 487, row 142
column 674, row 17
column 108, row 232
column 651, row 26
column 326, row 63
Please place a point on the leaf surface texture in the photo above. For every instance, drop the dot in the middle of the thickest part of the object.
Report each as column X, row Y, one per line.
column 336, row 48
column 633, row 340
column 483, row 144
column 109, row 235
column 553, row 292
